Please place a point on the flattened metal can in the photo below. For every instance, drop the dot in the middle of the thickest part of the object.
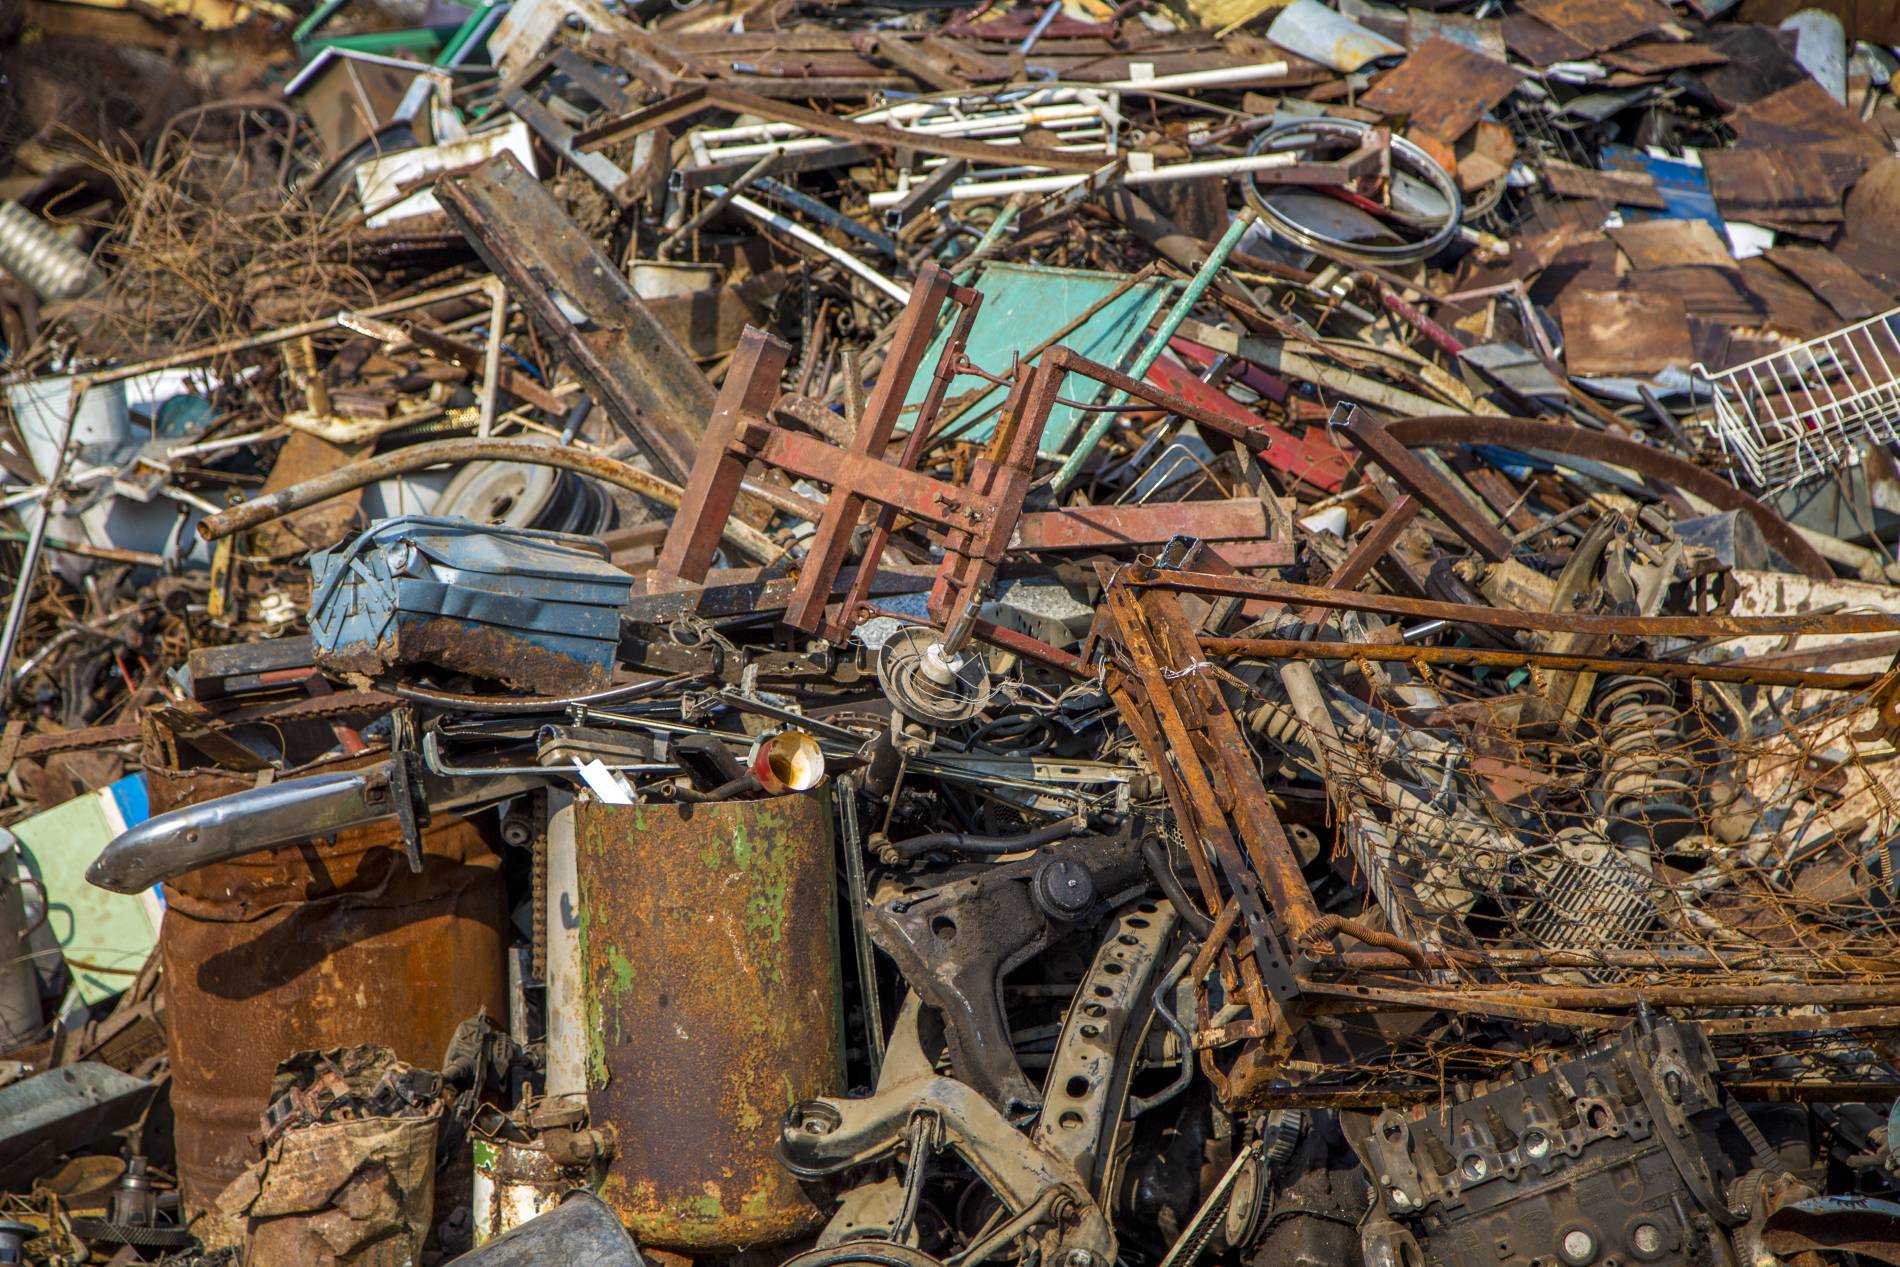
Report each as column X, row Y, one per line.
column 711, row 985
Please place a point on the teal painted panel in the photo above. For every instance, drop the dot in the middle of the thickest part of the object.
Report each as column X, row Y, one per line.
column 1023, row 304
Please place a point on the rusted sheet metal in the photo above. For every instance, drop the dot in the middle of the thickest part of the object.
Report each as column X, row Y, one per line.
column 1601, row 24
column 319, row 945
column 1624, row 332
column 1631, row 189
column 1524, row 433
column 712, row 994
column 1443, row 87
column 1504, row 618
column 629, row 361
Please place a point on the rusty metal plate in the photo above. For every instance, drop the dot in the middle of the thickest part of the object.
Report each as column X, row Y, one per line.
column 1633, row 189
column 1851, row 296
column 1443, row 87
column 1671, row 244
column 1601, row 24
column 1623, row 332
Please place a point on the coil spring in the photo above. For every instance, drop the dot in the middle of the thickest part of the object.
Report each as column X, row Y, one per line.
column 1646, row 758
column 32, row 250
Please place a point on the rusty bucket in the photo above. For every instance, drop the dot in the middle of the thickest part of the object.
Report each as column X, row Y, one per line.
column 319, row 945
column 711, row 983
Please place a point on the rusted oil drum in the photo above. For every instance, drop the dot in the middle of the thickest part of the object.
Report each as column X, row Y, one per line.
column 711, row 986
column 314, row 946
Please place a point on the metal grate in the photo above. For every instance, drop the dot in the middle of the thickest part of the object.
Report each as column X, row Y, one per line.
column 1802, row 411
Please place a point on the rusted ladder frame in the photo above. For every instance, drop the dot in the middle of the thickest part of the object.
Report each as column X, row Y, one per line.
column 712, row 487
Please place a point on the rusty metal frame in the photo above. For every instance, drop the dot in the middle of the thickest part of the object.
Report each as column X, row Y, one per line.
column 981, row 519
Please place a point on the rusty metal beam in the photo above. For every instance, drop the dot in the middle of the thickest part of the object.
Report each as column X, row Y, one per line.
column 1438, row 431
column 1125, row 527
column 1293, row 649
column 1368, row 550
column 628, row 360
column 1504, row 618
column 1438, row 493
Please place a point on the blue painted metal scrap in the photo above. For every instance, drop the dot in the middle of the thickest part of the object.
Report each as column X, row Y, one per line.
column 539, row 611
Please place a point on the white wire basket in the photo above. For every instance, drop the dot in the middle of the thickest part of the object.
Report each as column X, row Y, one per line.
column 1794, row 414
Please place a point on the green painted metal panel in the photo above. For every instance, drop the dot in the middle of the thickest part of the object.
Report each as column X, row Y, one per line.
column 1024, row 304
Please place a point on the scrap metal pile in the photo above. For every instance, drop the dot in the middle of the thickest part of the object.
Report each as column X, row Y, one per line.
column 884, row 634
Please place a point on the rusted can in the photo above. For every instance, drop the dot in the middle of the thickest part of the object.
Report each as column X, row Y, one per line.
column 319, row 945
column 710, row 975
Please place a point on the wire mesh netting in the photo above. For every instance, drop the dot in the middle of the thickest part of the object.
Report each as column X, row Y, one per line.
column 1563, row 838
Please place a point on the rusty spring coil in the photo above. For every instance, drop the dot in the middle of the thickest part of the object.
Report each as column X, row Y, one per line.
column 1648, row 773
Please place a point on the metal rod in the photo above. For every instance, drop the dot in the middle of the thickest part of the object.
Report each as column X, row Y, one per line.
column 1157, row 343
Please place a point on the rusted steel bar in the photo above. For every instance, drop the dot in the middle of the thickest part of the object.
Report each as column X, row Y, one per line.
column 1387, row 999
column 1123, row 527
column 1292, row 649
column 890, row 47
column 1705, row 993
column 1803, row 1023
column 629, row 362
column 1260, row 438
column 1205, row 821
column 1815, row 657
column 1368, row 550
column 1418, row 478
column 418, row 456
column 712, row 487
column 1514, row 958
column 1506, row 618
column 1523, row 433
column 1379, row 1096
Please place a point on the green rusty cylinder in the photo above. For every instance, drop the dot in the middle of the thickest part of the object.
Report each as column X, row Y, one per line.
column 710, row 976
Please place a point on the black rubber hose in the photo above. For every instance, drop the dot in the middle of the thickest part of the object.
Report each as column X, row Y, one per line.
column 964, row 842
column 1162, row 870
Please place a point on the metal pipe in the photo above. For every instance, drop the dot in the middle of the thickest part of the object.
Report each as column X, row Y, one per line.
column 418, row 456
column 491, row 357
column 1157, row 344
column 672, row 240
column 36, row 540
column 800, row 233
column 976, row 189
